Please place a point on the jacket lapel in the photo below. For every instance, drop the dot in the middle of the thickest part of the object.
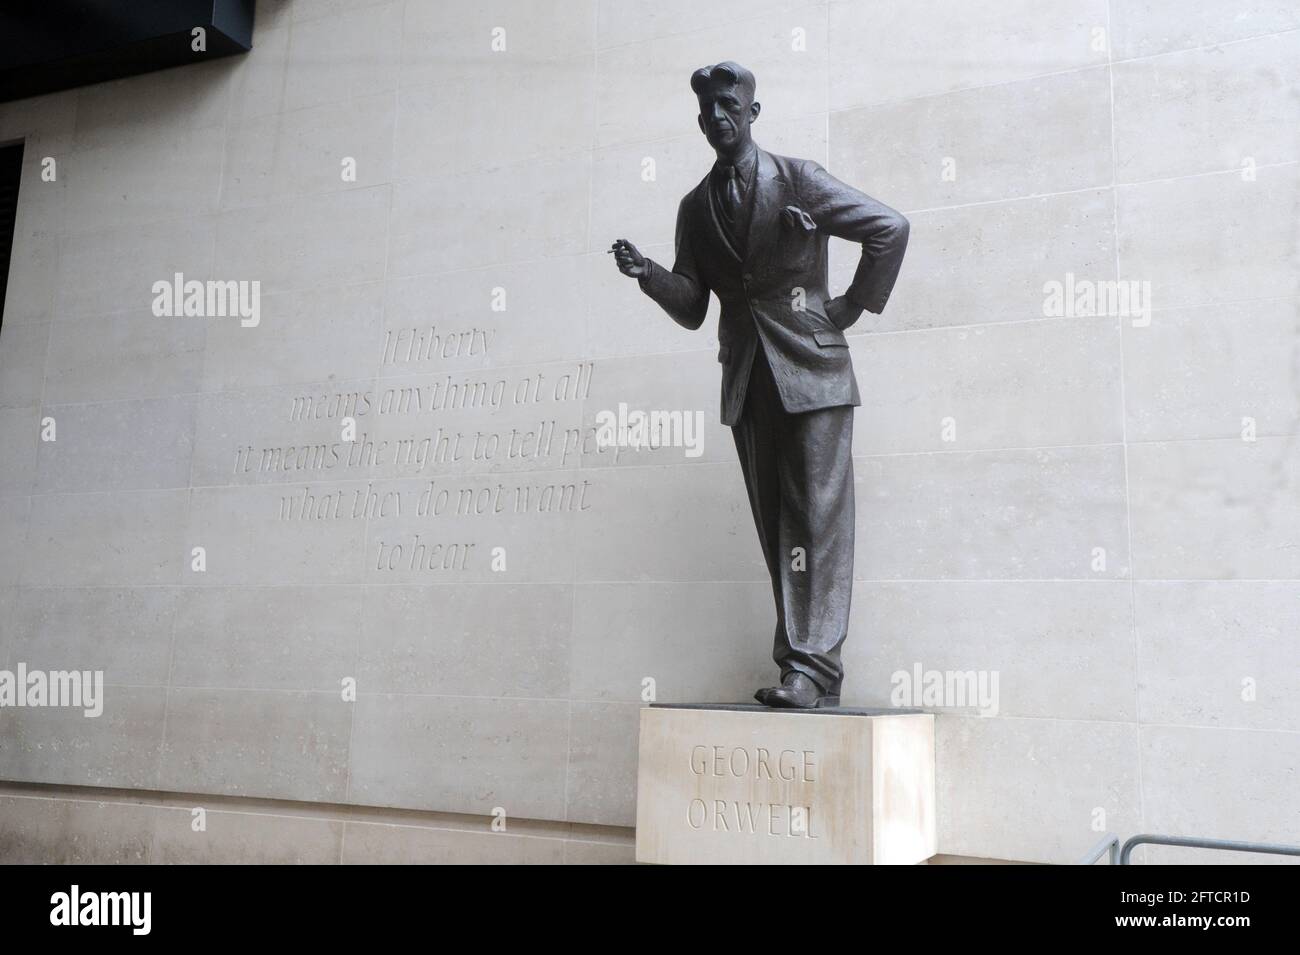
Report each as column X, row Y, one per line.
column 769, row 189
column 707, row 214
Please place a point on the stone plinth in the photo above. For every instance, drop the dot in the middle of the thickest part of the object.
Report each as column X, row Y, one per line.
column 746, row 784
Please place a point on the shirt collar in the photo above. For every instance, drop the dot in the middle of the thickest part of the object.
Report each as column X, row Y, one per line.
column 745, row 164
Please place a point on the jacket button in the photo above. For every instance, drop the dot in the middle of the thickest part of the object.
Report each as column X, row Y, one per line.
column 748, row 277
column 753, row 301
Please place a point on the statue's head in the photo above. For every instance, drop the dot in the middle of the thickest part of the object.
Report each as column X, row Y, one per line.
column 727, row 105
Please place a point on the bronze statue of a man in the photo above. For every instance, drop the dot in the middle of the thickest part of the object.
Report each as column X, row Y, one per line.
column 754, row 232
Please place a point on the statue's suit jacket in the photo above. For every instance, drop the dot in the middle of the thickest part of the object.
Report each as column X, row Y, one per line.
column 796, row 205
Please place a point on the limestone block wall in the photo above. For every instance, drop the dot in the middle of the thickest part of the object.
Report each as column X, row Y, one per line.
column 1097, row 511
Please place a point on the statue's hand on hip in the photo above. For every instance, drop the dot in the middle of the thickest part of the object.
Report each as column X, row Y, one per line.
column 630, row 262
column 842, row 312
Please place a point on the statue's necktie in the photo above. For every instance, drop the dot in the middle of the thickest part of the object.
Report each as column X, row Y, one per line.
column 731, row 194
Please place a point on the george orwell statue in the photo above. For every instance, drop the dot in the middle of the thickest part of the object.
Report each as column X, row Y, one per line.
column 754, row 232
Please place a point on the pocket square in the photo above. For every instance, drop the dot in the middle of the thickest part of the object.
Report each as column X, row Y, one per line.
column 794, row 217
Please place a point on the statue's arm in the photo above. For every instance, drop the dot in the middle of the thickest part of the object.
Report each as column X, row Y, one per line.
column 681, row 293
column 847, row 213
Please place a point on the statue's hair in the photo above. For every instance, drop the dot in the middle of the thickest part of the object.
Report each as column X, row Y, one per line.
column 726, row 72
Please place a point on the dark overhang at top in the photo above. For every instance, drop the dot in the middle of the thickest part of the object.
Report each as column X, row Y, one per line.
column 48, row 45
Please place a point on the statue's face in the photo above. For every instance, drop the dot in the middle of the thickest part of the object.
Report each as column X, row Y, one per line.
column 726, row 113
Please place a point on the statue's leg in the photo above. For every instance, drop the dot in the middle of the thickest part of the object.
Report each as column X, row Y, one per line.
column 756, row 447
column 816, row 540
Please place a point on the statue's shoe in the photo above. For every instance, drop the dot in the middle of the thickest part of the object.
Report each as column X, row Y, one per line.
column 798, row 692
column 762, row 694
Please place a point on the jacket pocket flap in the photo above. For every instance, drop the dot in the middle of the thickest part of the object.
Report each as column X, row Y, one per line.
column 830, row 339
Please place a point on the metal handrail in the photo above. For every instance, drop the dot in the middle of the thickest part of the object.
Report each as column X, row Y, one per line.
column 1193, row 843
column 1108, row 845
